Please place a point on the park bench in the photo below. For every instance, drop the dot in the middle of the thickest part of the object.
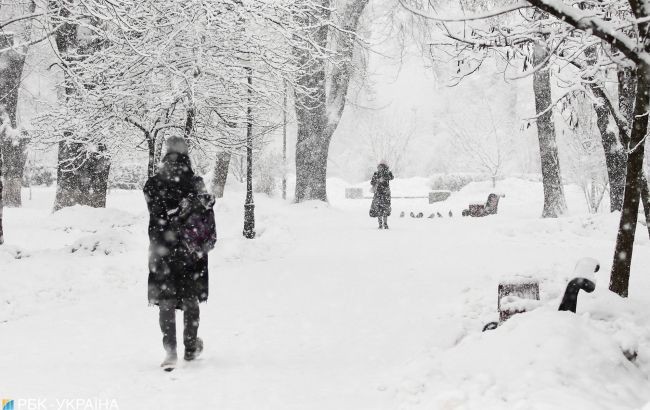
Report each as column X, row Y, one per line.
column 522, row 294
column 489, row 208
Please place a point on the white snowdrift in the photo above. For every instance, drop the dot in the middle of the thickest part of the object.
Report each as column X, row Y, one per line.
column 542, row 360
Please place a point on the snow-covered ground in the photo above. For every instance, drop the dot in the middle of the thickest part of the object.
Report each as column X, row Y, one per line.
column 324, row 311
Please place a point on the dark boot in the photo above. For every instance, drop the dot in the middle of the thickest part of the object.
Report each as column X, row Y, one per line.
column 191, row 315
column 385, row 222
column 381, row 223
column 196, row 352
column 167, row 320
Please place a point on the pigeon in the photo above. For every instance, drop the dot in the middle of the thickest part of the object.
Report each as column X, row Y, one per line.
column 420, row 215
column 401, row 215
column 439, row 214
column 432, row 216
column 451, row 214
column 412, row 215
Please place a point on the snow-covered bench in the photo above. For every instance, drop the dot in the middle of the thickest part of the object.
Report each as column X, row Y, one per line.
column 489, row 208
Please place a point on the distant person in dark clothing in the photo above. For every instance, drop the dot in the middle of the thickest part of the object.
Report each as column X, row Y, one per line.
column 380, row 207
column 181, row 223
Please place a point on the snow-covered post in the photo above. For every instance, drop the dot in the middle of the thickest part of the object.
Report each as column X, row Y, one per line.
column 249, row 206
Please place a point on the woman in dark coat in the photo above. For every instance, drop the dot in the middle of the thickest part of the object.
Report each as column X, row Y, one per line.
column 178, row 277
column 380, row 207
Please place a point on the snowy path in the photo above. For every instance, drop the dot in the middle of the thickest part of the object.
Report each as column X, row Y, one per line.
column 322, row 311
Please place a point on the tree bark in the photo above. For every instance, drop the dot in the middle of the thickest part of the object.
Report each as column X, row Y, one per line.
column 98, row 168
column 15, row 154
column 151, row 148
column 68, row 175
column 2, row 239
column 82, row 174
column 189, row 122
column 221, row 167
column 320, row 106
column 627, row 83
column 13, row 147
column 620, row 274
column 626, row 94
column 554, row 201
column 615, row 156
column 645, row 200
column 311, row 113
column 312, row 148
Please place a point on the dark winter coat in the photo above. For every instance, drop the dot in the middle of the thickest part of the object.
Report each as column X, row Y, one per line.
column 381, row 200
column 175, row 272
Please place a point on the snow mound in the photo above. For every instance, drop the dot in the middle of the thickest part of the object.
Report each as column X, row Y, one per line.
column 543, row 359
column 88, row 219
column 8, row 252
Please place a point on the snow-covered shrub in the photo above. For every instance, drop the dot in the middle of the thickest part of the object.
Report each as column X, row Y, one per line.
column 38, row 175
column 451, row 182
column 131, row 175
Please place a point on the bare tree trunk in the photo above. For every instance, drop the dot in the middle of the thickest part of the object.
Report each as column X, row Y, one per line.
column 311, row 112
column 159, row 149
column 312, row 148
column 189, row 122
column 554, row 201
column 615, row 156
column 221, row 167
column 627, row 83
column 645, row 200
column 620, row 275
column 69, row 175
column 2, row 238
column 319, row 108
column 15, row 154
column 151, row 147
column 14, row 147
column 82, row 176
column 98, row 169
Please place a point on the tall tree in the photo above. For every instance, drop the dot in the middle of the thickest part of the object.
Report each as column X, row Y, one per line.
column 554, row 201
column 319, row 108
column 615, row 157
column 82, row 167
column 14, row 43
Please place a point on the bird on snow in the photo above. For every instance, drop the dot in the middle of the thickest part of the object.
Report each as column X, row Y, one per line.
column 401, row 215
column 451, row 214
column 439, row 214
